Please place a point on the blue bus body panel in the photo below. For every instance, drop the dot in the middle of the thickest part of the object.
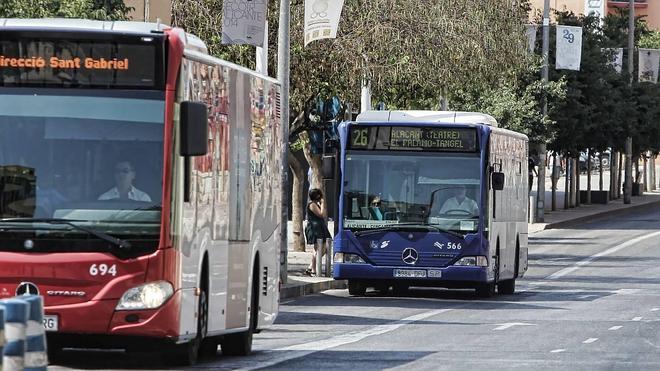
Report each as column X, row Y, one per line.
column 383, row 252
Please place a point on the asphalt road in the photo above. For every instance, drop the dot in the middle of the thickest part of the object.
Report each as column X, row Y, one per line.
column 589, row 301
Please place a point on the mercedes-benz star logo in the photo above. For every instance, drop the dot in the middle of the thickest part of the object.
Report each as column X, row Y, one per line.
column 409, row 256
column 27, row 288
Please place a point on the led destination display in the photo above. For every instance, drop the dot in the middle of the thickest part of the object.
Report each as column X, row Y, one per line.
column 413, row 138
column 124, row 64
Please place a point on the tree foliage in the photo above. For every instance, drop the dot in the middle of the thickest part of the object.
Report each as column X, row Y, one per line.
column 89, row 9
column 408, row 50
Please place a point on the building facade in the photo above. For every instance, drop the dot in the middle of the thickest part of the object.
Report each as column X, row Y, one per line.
column 150, row 10
column 649, row 8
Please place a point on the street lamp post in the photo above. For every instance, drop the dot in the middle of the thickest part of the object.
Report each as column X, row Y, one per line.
column 627, row 192
column 283, row 57
column 540, row 193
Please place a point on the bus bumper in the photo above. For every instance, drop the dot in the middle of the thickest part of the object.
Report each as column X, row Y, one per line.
column 452, row 276
column 97, row 323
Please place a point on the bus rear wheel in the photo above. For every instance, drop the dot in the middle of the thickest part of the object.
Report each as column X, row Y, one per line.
column 356, row 288
column 507, row 287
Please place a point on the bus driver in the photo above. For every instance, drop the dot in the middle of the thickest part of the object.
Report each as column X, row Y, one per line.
column 124, row 190
column 460, row 203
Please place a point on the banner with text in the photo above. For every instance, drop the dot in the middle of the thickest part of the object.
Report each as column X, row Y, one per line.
column 244, row 22
column 531, row 36
column 569, row 48
column 616, row 57
column 322, row 19
column 595, row 6
column 649, row 63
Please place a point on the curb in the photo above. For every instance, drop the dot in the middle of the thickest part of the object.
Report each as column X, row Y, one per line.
column 603, row 214
column 309, row 288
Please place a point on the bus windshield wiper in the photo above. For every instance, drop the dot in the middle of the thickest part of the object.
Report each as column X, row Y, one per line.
column 122, row 244
column 407, row 226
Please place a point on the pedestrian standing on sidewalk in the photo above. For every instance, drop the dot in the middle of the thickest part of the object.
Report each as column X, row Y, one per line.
column 531, row 172
column 317, row 230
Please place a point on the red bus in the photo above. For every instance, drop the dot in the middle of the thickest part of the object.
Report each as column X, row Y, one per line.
column 136, row 193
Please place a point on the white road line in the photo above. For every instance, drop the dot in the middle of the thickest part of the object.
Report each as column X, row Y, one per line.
column 614, row 328
column 637, row 319
column 590, row 259
column 587, row 296
column 655, row 309
column 301, row 350
column 590, row 340
column 505, row 326
column 557, row 350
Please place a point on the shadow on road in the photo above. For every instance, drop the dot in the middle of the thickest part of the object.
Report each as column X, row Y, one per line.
column 351, row 360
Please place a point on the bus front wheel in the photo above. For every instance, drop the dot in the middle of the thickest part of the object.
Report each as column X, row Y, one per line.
column 485, row 290
column 356, row 288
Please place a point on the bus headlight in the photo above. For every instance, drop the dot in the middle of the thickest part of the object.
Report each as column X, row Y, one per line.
column 348, row 258
column 472, row 261
column 149, row 296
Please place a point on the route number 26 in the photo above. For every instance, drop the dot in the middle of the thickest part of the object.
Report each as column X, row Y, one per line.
column 103, row 270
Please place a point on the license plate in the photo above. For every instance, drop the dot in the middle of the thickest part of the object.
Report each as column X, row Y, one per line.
column 434, row 273
column 50, row 323
column 410, row 273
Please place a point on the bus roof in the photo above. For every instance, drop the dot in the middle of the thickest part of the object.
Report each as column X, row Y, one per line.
column 124, row 27
column 427, row 116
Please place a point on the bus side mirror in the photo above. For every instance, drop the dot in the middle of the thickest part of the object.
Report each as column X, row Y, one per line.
column 498, row 181
column 194, row 129
column 328, row 167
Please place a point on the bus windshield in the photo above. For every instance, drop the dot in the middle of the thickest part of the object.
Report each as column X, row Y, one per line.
column 411, row 189
column 92, row 157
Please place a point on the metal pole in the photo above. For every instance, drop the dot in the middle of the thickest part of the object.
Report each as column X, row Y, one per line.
column 146, row 10
column 540, row 193
column 283, row 56
column 627, row 192
column 328, row 257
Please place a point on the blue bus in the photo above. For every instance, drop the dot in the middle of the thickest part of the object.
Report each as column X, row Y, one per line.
column 431, row 199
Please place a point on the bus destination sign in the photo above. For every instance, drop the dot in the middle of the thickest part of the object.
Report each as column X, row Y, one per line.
column 121, row 64
column 413, row 138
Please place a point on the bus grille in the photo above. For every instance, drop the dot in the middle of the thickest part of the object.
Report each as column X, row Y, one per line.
column 393, row 258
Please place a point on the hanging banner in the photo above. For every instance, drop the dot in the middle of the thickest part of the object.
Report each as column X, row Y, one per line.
column 595, row 6
column 322, row 19
column 616, row 57
column 244, row 22
column 531, row 36
column 649, row 63
column 569, row 48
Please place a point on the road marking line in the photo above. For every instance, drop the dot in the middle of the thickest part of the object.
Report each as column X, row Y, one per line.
column 637, row 319
column 590, row 340
column 655, row 309
column 301, row 350
column 587, row 296
column 590, row 259
column 614, row 328
column 505, row 326
column 557, row 350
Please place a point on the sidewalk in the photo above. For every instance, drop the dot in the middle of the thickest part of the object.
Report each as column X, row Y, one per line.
column 300, row 285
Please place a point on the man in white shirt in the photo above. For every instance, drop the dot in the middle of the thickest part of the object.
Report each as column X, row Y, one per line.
column 459, row 203
column 124, row 176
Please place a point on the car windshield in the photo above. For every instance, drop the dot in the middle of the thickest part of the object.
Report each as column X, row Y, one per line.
column 89, row 157
column 411, row 190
